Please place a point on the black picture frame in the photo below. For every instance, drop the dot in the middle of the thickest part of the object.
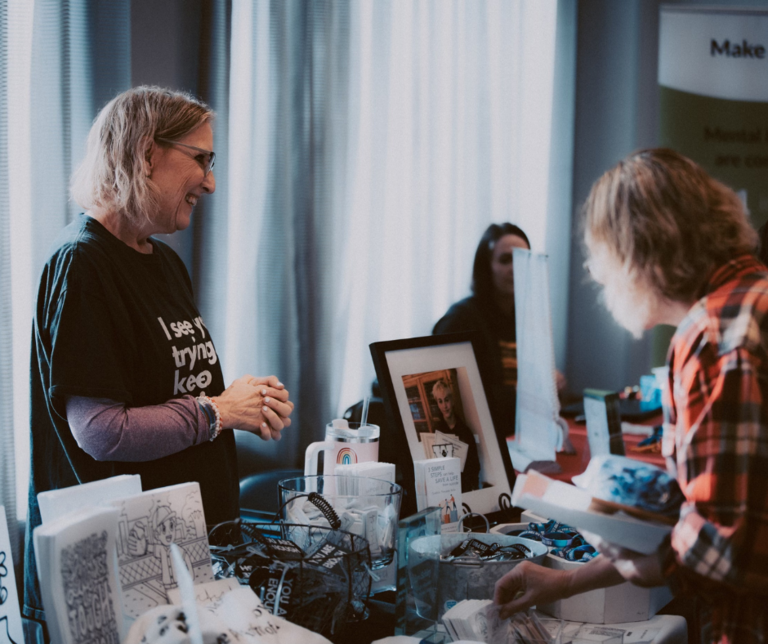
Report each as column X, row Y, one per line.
column 395, row 359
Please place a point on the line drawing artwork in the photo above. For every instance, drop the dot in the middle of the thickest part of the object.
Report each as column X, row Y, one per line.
column 90, row 606
column 5, row 635
column 147, row 526
column 442, row 450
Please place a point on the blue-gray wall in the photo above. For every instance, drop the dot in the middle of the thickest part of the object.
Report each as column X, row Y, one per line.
column 616, row 113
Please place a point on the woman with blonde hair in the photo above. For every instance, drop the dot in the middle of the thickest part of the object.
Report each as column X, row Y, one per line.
column 125, row 377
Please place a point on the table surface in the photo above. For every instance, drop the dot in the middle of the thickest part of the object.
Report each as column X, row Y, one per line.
column 574, row 464
column 660, row 629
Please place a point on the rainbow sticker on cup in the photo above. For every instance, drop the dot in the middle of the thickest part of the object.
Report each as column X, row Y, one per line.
column 346, row 456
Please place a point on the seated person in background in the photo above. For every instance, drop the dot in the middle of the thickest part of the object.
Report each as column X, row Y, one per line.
column 490, row 311
column 451, row 423
column 671, row 245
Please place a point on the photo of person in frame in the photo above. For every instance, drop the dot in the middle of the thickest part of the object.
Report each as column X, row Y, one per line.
column 436, row 408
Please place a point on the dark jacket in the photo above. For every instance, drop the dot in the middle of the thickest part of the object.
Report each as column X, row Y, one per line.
column 490, row 325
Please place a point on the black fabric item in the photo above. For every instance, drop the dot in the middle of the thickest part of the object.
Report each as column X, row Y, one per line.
column 114, row 323
column 491, row 325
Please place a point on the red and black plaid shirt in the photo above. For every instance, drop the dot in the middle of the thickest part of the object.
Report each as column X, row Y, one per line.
column 716, row 429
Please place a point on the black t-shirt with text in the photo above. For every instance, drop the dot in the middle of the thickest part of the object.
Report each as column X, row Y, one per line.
column 114, row 323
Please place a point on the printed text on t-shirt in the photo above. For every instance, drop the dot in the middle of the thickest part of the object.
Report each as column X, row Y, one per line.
column 189, row 355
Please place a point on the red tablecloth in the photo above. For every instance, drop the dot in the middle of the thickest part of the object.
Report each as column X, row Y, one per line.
column 574, row 464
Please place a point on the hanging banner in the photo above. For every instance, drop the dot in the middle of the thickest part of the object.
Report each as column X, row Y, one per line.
column 713, row 86
column 539, row 429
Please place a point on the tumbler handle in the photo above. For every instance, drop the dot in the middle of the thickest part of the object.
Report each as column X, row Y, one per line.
column 310, row 456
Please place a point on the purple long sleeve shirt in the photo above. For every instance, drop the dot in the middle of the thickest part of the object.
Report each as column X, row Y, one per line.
column 111, row 431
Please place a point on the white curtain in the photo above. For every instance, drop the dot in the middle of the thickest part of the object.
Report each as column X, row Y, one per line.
column 370, row 144
column 451, row 133
column 7, row 442
column 61, row 62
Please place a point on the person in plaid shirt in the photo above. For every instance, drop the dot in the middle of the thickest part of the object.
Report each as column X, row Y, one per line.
column 671, row 245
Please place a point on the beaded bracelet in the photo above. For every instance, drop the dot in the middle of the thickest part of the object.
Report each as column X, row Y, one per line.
column 212, row 413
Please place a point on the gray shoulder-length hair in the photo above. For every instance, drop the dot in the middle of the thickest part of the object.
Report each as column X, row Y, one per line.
column 112, row 175
column 667, row 220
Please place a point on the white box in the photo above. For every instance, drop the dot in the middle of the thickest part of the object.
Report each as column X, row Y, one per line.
column 56, row 503
column 623, row 603
column 661, row 629
column 506, row 528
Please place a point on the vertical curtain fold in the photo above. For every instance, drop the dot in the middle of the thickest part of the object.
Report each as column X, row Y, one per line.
column 294, row 210
column 209, row 240
column 322, row 53
column 7, row 443
column 288, row 59
column 260, row 321
column 80, row 59
column 50, row 148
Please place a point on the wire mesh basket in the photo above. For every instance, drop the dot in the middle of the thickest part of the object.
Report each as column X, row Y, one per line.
column 314, row 576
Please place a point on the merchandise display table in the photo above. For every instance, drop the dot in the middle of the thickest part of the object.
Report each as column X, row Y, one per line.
column 660, row 629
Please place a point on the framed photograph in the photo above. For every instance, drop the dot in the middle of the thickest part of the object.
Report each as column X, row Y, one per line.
column 434, row 396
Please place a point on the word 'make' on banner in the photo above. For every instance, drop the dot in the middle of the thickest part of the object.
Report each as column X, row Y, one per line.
column 713, row 78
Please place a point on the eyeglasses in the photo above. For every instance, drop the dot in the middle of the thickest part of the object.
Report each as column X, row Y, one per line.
column 206, row 158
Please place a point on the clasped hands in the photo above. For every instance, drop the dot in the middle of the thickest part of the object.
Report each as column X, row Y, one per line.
column 259, row 405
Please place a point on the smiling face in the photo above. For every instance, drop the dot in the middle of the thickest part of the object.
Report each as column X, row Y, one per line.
column 501, row 264
column 179, row 175
column 166, row 530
